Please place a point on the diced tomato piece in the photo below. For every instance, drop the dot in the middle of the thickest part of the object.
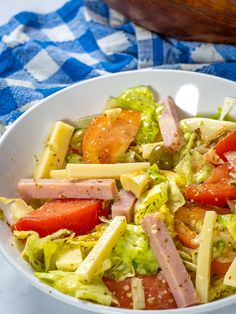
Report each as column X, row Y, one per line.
column 105, row 142
column 121, row 289
column 186, row 216
column 212, row 193
column 191, row 212
column 226, row 144
column 219, row 268
column 219, row 173
column 157, row 293
column 156, row 290
column 77, row 215
column 186, row 236
column 183, row 218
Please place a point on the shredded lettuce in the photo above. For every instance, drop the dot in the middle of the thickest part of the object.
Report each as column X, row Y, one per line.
column 156, row 175
column 14, row 208
column 219, row 290
column 190, row 143
column 151, row 201
column 42, row 253
column 74, row 159
column 218, row 247
column 133, row 154
column 69, row 283
column 228, row 222
column 193, row 168
column 223, row 112
column 132, row 255
column 168, row 218
column 141, row 99
column 175, row 196
column 209, row 129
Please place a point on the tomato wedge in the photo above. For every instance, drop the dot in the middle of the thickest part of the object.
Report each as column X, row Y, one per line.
column 226, row 144
column 191, row 212
column 220, row 265
column 105, row 142
column 219, row 268
column 186, row 216
column 186, row 236
column 212, row 193
column 219, row 173
column 156, row 290
column 77, row 215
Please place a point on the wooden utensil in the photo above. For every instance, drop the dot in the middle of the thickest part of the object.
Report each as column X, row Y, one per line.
column 194, row 20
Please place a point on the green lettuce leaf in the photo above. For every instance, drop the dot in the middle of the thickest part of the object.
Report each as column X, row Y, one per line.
column 229, row 222
column 223, row 112
column 69, row 283
column 175, row 196
column 218, row 290
column 14, row 208
column 141, row 99
column 168, row 218
column 151, row 201
column 132, row 255
column 209, row 129
column 218, row 247
column 156, row 175
column 193, row 168
column 42, row 253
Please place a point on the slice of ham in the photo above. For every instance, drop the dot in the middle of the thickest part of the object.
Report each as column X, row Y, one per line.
column 124, row 206
column 55, row 188
column 171, row 264
column 169, row 125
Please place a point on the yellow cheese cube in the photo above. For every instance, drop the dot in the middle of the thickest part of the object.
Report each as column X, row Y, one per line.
column 55, row 150
column 136, row 182
column 102, row 249
column 230, row 276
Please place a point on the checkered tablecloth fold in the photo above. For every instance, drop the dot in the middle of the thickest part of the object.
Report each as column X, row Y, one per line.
column 43, row 53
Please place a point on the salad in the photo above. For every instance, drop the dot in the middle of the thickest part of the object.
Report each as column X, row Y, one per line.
column 133, row 208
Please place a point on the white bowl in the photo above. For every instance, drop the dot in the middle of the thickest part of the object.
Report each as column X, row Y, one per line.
column 23, row 141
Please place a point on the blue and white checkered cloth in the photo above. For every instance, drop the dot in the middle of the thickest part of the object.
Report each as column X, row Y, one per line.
column 43, row 53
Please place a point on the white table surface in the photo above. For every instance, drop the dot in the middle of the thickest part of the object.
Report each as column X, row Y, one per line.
column 17, row 296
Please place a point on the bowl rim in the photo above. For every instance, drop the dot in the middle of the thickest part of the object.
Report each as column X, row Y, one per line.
column 85, row 305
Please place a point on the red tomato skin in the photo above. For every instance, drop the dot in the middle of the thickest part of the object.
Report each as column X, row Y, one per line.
column 77, row 215
column 191, row 211
column 156, row 290
column 219, row 173
column 184, row 217
column 121, row 289
column 219, row 268
column 185, row 235
column 157, row 293
column 211, row 194
column 105, row 142
column 226, row 144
